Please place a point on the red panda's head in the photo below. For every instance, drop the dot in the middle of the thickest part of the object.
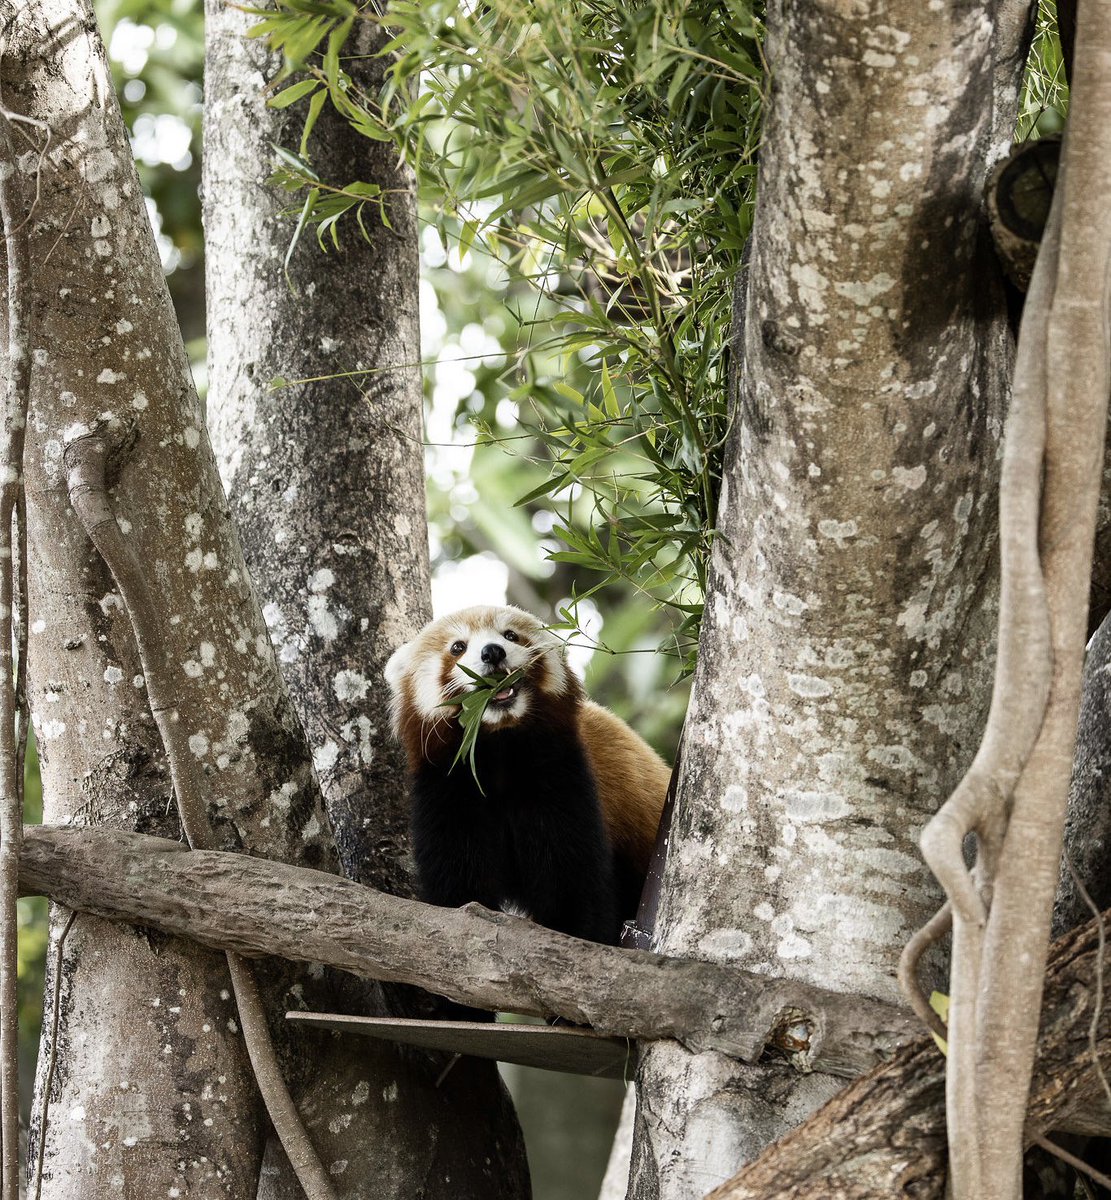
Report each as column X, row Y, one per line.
column 426, row 675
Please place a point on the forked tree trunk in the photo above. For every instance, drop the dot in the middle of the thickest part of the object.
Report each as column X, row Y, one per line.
column 326, row 484
column 148, row 1087
column 844, row 665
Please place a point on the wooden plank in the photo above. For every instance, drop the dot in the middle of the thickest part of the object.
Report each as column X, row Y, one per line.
column 554, row 1048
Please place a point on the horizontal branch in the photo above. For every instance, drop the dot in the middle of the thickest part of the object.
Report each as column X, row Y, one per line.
column 884, row 1135
column 471, row 955
column 893, row 1119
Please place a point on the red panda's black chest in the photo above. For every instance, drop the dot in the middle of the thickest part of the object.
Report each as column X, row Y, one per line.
column 511, row 768
column 520, row 771
column 531, row 838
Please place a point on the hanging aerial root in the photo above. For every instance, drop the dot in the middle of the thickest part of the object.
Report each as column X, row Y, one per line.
column 1015, row 794
column 930, row 934
column 981, row 802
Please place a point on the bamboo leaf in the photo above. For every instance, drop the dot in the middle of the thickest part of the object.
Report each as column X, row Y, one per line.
column 613, row 409
column 293, row 93
column 472, row 705
column 315, row 106
column 336, row 40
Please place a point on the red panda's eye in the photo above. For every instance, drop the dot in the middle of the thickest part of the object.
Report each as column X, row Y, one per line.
column 510, row 636
column 457, row 648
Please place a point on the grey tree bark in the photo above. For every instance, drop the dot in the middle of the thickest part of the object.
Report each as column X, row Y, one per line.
column 146, row 1088
column 326, row 485
column 1088, row 821
column 844, row 666
column 883, row 1135
column 472, row 955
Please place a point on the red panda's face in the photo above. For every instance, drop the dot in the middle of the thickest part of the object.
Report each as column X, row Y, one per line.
column 426, row 674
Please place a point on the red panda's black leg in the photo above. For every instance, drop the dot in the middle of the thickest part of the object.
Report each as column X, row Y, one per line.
column 562, row 860
column 456, row 844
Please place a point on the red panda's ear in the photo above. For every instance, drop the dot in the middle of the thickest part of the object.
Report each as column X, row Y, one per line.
column 397, row 665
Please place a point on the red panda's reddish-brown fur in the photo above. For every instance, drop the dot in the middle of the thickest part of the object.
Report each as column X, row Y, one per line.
column 632, row 782
column 630, row 779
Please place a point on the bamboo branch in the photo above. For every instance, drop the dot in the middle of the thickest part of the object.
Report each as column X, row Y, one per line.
column 85, row 459
column 254, row 907
column 11, row 783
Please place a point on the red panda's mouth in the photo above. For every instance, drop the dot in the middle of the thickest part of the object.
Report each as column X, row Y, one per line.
column 502, row 689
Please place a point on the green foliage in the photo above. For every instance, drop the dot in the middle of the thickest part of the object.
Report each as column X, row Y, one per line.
column 1045, row 94
column 602, row 154
column 324, row 206
column 300, row 38
column 590, row 167
column 471, row 707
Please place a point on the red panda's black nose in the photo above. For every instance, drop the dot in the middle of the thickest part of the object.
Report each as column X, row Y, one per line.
column 493, row 655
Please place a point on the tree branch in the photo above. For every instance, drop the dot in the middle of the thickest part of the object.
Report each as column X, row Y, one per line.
column 254, row 907
column 884, row 1135
column 892, row 1119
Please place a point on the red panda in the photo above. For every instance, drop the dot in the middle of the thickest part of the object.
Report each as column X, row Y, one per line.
column 562, row 819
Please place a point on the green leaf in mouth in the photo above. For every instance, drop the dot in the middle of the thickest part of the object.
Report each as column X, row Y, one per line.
column 471, row 707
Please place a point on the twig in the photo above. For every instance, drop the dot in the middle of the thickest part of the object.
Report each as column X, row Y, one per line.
column 13, row 118
column 447, row 1069
column 933, row 931
column 1097, row 1007
column 11, row 788
column 52, row 1061
column 85, row 461
column 1067, row 1156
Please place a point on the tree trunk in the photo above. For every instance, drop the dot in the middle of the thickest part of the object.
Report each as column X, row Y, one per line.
column 326, row 485
column 891, row 1120
column 844, row 666
column 884, row 1135
column 146, row 1026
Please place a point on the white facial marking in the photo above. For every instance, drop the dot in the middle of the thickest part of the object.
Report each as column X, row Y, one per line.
column 418, row 668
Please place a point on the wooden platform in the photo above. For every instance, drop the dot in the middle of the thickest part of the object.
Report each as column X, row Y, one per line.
column 554, row 1048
